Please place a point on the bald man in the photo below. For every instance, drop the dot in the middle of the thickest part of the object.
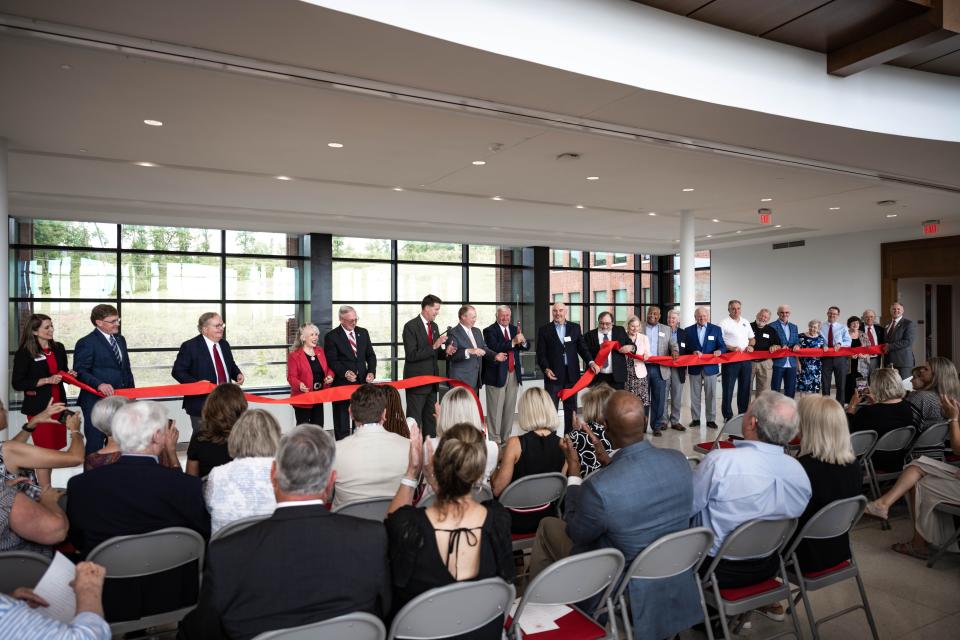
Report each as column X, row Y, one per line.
column 559, row 344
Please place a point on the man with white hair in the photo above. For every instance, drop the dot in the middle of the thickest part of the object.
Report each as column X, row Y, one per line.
column 350, row 354
column 502, row 379
column 134, row 495
column 303, row 564
column 873, row 335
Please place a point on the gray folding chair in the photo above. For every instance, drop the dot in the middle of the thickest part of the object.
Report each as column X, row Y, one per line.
column 568, row 581
column 452, row 610
column 237, row 525
column 480, row 494
column 863, row 443
column 21, row 569
column 693, row 461
column 368, row 508
column 147, row 554
column 352, row 626
column 731, row 428
column 936, row 552
column 668, row 556
column 930, row 442
column 539, row 490
column 896, row 440
column 835, row 519
column 752, row 540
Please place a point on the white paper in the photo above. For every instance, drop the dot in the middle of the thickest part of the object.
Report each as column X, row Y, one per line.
column 538, row 618
column 54, row 587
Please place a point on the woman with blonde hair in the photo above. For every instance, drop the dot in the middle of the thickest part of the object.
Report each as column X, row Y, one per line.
column 242, row 488
column 636, row 382
column 208, row 445
column 307, row 370
column 880, row 407
column 938, row 377
column 536, row 450
column 827, row 457
column 589, row 436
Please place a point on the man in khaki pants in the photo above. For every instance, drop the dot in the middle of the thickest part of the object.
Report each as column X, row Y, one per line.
column 765, row 336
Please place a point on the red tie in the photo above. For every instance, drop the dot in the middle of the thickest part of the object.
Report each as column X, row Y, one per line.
column 871, row 340
column 353, row 343
column 429, row 333
column 830, row 336
column 218, row 363
column 510, row 363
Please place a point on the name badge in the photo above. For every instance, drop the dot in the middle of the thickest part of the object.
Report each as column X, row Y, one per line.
column 566, row 338
column 709, row 337
column 662, row 335
column 40, row 358
column 765, row 335
column 683, row 344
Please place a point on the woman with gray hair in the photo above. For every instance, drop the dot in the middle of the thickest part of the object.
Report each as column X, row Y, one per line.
column 102, row 418
column 307, row 370
column 880, row 407
column 241, row 488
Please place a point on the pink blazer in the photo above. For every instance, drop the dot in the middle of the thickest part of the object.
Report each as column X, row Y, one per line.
column 643, row 349
column 298, row 370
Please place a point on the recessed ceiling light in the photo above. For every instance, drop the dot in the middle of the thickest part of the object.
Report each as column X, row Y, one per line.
column 709, row 236
column 82, row 150
column 739, row 231
column 580, row 206
column 716, row 220
column 777, row 226
column 284, row 178
column 335, row 145
column 689, row 189
column 652, row 213
column 153, row 123
column 479, row 163
column 891, row 215
column 766, row 199
column 144, row 164
column 398, row 188
column 593, row 177
column 66, row 67
column 834, row 208
column 675, row 240
column 498, row 198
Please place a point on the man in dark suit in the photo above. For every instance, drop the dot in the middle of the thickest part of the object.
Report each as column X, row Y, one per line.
column 205, row 357
column 900, row 334
column 873, row 335
column 785, row 368
column 703, row 338
column 422, row 345
column 614, row 370
column 472, row 351
column 101, row 361
column 137, row 495
column 558, row 345
column 502, row 378
column 303, row 564
column 350, row 354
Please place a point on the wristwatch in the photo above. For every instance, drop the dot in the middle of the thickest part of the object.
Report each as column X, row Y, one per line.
column 28, row 428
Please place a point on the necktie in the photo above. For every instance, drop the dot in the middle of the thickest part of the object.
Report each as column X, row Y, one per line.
column 830, row 336
column 605, row 338
column 429, row 333
column 871, row 338
column 511, row 365
column 218, row 363
column 353, row 343
column 116, row 350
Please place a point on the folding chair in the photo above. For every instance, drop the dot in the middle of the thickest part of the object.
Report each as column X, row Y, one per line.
column 352, row 626
column 21, row 569
column 953, row 510
column 732, row 428
column 693, row 461
column 896, row 440
column 480, row 494
column 568, row 581
column 147, row 554
column 237, row 525
column 863, row 443
column 367, row 508
column 533, row 493
column 752, row 540
column 452, row 610
column 930, row 442
column 835, row 519
column 668, row 556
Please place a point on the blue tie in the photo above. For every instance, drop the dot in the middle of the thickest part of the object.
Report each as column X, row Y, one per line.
column 116, row 350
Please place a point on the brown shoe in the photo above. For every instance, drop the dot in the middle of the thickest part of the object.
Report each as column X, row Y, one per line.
column 657, row 433
column 678, row 427
column 773, row 611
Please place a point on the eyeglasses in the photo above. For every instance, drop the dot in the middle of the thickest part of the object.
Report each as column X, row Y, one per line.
column 114, row 321
column 217, row 326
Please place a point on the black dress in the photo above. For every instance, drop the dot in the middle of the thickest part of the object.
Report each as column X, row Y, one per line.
column 208, row 454
column 829, row 482
column 538, row 454
column 417, row 565
column 312, row 414
column 883, row 418
column 852, row 374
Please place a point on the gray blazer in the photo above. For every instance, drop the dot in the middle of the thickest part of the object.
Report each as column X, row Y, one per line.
column 900, row 344
column 463, row 367
column 663, row 349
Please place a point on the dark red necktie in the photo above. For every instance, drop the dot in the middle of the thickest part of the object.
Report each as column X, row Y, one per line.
column 510, row 364
column 429, row 333
column 218, row 363
column 830, row 336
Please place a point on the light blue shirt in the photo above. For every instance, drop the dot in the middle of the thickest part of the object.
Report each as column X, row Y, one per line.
column 786, row 332
column 17, row 620
column 840, row 336
column 755, row 480
column 562, row 334
column 701, row 333
column 653, row 335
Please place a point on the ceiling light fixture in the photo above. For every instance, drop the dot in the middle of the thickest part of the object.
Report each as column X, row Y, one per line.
column 834, row 208
column 144, row 164
column 716, row 220
column 891, row 215
column 284, row 178
column 739, row 231
column 688, row 189
column 66, row 67
column 497, row 198
column 479, row 163
column 398, row 188
column 652, row 213
column 709, row 236
column 335, row 145
column 766, row 199
column 593, row 177
column 580, row 206
column 153, row 123
column 777, row 226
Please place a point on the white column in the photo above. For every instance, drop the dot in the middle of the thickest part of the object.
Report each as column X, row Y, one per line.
column 688, row 297
column 4, row 278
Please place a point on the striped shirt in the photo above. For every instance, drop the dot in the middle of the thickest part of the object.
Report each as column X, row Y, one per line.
column 17, row 620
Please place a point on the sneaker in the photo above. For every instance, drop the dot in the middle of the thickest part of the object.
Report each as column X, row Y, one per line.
column 772, row 611
column 694, row 424
column 712, row 425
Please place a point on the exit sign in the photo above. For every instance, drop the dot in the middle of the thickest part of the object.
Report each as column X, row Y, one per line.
column 931, row 227
column 766, row 216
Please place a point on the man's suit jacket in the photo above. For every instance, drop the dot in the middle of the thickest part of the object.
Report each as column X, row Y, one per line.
column 420, row 356
column 550, row 352
column 678, row 345
column 787, row 341
column 137, row 495
column 618, row 360
column 27, row 370
column 495, row 373
column 194, row 363
column 301, row 565
column 341, row 359
column 712, row 341
column 465, row 368
column 96, row 364
column 900, row 344
column 664, row 334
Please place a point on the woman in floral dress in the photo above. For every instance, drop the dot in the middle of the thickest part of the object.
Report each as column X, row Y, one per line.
column 809, row 379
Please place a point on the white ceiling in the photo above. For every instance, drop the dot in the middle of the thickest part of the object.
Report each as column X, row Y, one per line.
column 75, row 133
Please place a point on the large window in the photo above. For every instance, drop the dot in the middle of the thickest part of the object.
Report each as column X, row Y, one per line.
column 161, row 279
column 385, row 280
column 701, row 280
column 621, row 283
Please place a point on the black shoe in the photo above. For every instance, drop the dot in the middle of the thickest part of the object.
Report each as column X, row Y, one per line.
column 694, row 424
column 712, row 425
column 657, row 433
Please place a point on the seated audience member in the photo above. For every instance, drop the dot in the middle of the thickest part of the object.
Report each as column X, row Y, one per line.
column 301, row 565
column 370, row 462
column 396, row 421
column 536, row 451
column 607, row 510
column 927, row 483
column 137, row 495
column 834, row 473
column 459, row 406
column 20, row 461
column 470, row 540
column 30, row 525
column 20, row 618
column 102, row 416
column 241, row 488
column 880, row 407
column 756, row 480
column 208, row 445
column 938, row 377
column 589, row 437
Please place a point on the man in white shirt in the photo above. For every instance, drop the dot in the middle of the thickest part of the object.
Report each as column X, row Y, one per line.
column 370, row 463
column 835, row 336
column 466, row 363
column 738, row 336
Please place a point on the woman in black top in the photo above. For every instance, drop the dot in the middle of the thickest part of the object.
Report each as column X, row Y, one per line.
column 858, row 368
column 456, row 538
column 828, row 459
column 885, row 412
column 208, row 445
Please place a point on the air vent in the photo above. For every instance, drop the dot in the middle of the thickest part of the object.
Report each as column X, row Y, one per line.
column 787, row 245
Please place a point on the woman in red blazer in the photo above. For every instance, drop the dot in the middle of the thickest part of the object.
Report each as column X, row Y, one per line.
column 307, row 370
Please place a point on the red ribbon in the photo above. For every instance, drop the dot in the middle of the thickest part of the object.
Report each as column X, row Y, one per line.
column 709, row 358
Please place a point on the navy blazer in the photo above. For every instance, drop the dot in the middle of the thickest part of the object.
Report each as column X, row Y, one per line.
column 27, row 370
column 712, row 341
column 340, row 356
column 495, row 373
column 787, row 341
column 194, row 363
column 550, row 352
column 96, row 364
